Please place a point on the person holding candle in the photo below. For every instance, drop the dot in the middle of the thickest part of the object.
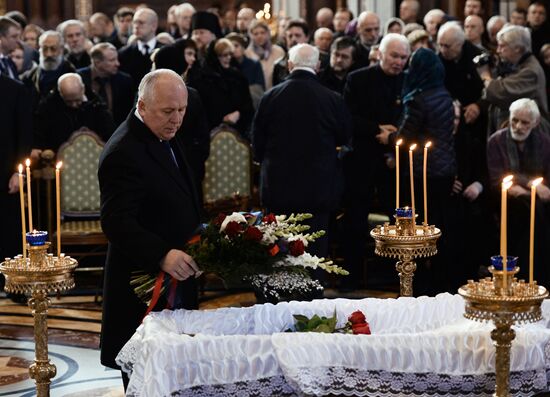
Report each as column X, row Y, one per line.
column 373, row 96
column 429, row 116
column 523, row 150
column 16, row 136
column 149, row 208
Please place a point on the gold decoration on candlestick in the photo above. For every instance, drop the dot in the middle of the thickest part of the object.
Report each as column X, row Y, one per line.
column 489, row 300
column 37, row 276
column 405, row 241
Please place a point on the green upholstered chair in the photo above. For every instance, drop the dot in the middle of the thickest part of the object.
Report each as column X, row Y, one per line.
column 227, row 181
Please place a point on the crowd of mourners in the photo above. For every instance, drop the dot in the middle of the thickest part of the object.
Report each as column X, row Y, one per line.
column 476, row 88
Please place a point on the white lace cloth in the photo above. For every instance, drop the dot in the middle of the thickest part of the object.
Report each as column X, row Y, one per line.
column 420, row 345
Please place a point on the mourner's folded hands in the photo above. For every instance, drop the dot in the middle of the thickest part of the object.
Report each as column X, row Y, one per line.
column 517, row 190
column 543, row 192
column 179, row 265
column 385, row 131
column 471, row 113
column 13, row 184
column 457, row 187
column 473, row 191
column 232, row 117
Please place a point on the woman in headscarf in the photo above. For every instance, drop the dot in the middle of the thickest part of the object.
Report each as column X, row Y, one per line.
column 429, row 116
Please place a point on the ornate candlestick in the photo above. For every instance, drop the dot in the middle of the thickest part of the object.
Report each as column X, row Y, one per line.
column 504, row 303
column 405, row 241
column 39, row 275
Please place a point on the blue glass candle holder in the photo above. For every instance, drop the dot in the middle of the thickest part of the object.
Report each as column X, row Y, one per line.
column 37, row 237
column 404, row 212
column 511, row 262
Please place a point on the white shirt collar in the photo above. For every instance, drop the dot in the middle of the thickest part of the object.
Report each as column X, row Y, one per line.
column 310, row 70
column 151, row 44
column 136, row 113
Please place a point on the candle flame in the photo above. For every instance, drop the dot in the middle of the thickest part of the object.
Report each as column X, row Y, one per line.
column 507, row 185
column 20, row 168
column 536, row 182
column 507, row 179
column 428, row 144
column 28, row 162
column 58, row 165
column 399, row 142
column 412, row 147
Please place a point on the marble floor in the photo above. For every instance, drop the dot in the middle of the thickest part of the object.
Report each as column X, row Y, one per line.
column 74, row 324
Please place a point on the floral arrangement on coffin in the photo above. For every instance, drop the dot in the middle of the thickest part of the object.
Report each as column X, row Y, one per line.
column 269, row 252
column 357, row 324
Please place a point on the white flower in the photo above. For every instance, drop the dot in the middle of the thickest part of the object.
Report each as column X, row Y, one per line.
column 297, row 237
column 234, row 217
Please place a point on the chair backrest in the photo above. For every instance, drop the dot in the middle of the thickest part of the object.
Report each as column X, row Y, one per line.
column 228, row 166
column 79, row 182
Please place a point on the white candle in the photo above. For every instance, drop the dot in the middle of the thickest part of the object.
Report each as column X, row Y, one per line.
column 411, row 149
column 506, row 184
column 534, row 185
column 22, row 204
column 58, row 207
column 425, row 177
column 399, row 142
column 29, row 199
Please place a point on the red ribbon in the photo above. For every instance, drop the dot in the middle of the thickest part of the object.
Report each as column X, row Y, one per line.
column 156, row 292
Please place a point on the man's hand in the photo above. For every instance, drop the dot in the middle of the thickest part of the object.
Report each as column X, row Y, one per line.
column 543, row 192
column 471, row 113
column 232, row 118
column 385, row 131
column 179, row 265
column 13, row 184
column 457, row 187
column 517, row 190
column 473, row 191
column 35, row 154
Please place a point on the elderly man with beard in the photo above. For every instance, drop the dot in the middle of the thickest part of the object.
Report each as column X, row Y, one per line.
column 342, row 58
column 368, row 34
column 523, row 150
column 374, row 97
column 74, row 34
column 43, row 77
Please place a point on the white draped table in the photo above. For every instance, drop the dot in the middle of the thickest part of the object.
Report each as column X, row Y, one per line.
column 419, row 346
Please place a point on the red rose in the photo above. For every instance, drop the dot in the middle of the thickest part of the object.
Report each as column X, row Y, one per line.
column 253, row 234
column 357, row 318
column 296, row 247
column 361, row 329
column 232, row 229
column 219, row 219
column 269, row 218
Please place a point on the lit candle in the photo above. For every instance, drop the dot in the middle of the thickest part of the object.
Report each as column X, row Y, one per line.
column 29, row 199
column 425, row 176
column 411, row 149
column 399, row 142
column 506, row 184
column 22, row 203
column 58, row 207
column 534, row 185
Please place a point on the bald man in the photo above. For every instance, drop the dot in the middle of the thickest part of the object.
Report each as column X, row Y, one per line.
column 149, row 208
column 368, row 34
column 65, row 111
column 473, row 29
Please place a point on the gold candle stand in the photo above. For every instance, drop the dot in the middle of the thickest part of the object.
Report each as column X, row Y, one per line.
column 37, row 276
column 405, row 241
column 487, row 300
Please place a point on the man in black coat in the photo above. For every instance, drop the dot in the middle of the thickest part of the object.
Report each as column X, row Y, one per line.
column 135, row 59
column 373, row 95
column 115, row 88
column 149, row 208
column 297, row 128
column 342, row 57
column 16, row 143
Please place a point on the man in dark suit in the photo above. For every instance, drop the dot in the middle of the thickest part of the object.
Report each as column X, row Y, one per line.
column 16, row 142
column 9, row 36
column 135, row 59
column 115, row 88
column 297, row 128
column 149, row 207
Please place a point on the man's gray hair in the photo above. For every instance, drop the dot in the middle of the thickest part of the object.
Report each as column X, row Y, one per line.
column 516, row 37
column 493, row 20
column 434, row 12
column 528, row 105
column 73, row 76
column 304, row 55
column 70, row 22
column 320, row 31
column 146, row 88
column 391, row 37
column 49, row 33
column 455, row 29
column 180, row 9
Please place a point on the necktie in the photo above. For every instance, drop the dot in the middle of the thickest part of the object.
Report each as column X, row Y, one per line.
column 167, row 146
column 145, row 49
column 102, row 92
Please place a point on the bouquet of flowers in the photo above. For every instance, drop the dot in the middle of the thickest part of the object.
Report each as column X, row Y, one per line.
column 269, row 252
column 357, row 324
